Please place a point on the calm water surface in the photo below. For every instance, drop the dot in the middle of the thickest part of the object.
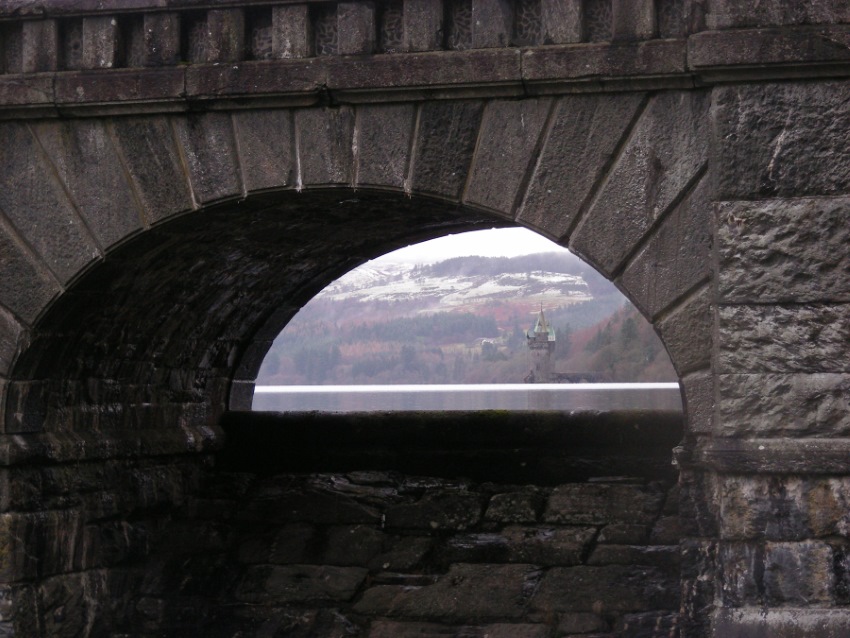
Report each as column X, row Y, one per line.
column 519, row 396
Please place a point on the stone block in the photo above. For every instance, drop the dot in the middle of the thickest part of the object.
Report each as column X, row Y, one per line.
column 466, row 594
column 161, row 37
column 666, row 531
column 580, row 623
column 292, row 35
column 86, row 161
column 514, row 507
column 19, row 610
column 781, row 139
column 783, row 251
column 509, row 137
column 423, row 25
column 293, row 584
column 328, row 134
column 161, row 183
column 561, row 21
column 437, row 510
column 11, row 333
column 664, row 155
column 624, row 534
column 395, row 629
column 575, row 154
column 39, row 544
column 100, row 42
column 598, row 504
column 675, row 258
column 663, row 557
column 633, row 19
column 308, row 505
column 209, row 149
column 39, row 46
column 32, row 200
column 352, row 545
column 383, row 138
column 446, row 142
column 225, row 35
column 793, row 622
column 605, row 589
column 729, row 14
column 356, row 27
column 492, row 23
column 798, row 573
column 266, row 149
column 698, row 399
column 753, row 507
column 798, row 405
column 687, row 333
column 804, row 338
column 402, row 553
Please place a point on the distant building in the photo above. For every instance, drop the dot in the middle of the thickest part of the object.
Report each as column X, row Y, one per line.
column 541, row 344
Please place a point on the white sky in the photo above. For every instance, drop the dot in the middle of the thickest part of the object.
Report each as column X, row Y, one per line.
column 495, row 242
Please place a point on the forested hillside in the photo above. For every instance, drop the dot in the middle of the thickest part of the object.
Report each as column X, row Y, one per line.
column 464, row 320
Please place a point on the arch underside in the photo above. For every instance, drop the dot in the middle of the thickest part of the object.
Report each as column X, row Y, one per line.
column 183, row 244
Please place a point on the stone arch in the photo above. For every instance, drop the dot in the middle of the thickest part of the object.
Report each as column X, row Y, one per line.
column 137, row 204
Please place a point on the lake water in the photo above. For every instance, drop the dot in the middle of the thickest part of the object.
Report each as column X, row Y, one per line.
column 519, row 396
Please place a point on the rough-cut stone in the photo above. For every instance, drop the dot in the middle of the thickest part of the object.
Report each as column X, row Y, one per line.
column 308, row 505
column 10, row 332
column 161, row 39
column 596, row 503
column 356, row 30
column 665, row 557
column 794, row 622
column 785, row 339
column 323, row 143
column 224, row 35
column 517, row 544
column 726, row 14
column 161, row 183
column 687, row 333
column 765, row 405
column 468, row 593
column 100, row 42
column 39, row 544
column 208, row 147
column 783, row 251
column 577, row 151
column 86, row 161
column 510, row 131
column 291, row 31
column 798, row 573
column 561, row 21
column 699, row 402
column 383, row 139
column 394, row 629
column 624, row 534
column 781, row 139
column 34, row 202
column 423, row 25
column 675, row 259
column 444, row 148
column 39, row 46
column 282, row 585
column 266, row 149
column 633, row 19
column 605, row 589
column 580, row 623
column 514, row 507
column 437, row 510
column 664, row 154
column 491, row 23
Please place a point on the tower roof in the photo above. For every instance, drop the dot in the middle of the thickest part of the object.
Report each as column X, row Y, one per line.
column 542, row 328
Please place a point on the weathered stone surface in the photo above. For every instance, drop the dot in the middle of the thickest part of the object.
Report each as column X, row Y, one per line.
column 599, row 503
column 491, row 23
column 10, row 334
column 776, row 251
column 675, row 259
column 726, row 14
column 161, row 183
column 517, row 544
column 291, row 31
column 792, row 622
column 664, row 154
column 323, row 143
column 514, row 507
column 100, row 42
column 764, row 405
column 781, row 139
column 698, row 399
column 624, row 534
column 39, row 46
column 445, row 145
column 633, row 19
column 394, row 629
column 437, row 510
column 40, row 544
column 423, row 25
column 161, row 39
column 356, row 30
column 666, row 531
column 281, row 585
column 402, row 553
column 33, row 201
column 224, row 37
column 580, row 623
column 605, row 589
column 561, row 21
column 798, row 573
column 86, row 162
column 577, row 150
column 785, row 339
column 266, row 149
column 468, row 593
column 208, row 147
column 510, row 131
column 666, row 557
column 383, row 139
column 308, row 505
column 687, row 333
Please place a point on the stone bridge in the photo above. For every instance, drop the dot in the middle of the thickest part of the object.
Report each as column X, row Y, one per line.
column 178, row 177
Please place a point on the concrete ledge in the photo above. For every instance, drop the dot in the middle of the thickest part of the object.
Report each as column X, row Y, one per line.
column 781, row 623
